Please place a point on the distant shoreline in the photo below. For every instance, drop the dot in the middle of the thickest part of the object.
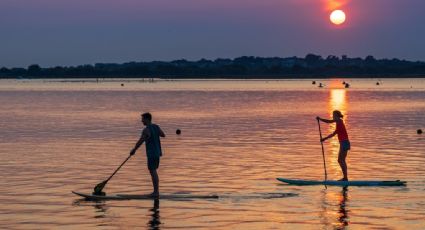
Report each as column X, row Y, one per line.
column 296, row 77
column 152, row 80
column 310, row 67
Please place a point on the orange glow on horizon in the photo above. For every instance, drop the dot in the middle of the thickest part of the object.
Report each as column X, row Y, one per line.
column 332, row 5
column 336, row 84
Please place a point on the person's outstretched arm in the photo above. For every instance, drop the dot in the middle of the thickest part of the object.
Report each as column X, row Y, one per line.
column 139, row 142
column 325, row 120
column 161, row 133
column 329, row 136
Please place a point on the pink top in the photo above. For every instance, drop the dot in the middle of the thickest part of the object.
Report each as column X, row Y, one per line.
column 341, row 131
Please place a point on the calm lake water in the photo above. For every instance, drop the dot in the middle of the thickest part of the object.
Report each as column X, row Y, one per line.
column 237, row 137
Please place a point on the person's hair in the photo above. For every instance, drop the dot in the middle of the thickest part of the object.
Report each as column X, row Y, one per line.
column 338, row 113
column 147, row 116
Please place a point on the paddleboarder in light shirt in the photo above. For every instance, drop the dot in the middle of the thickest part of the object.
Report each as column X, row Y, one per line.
column 151, row 135
column 344, row 142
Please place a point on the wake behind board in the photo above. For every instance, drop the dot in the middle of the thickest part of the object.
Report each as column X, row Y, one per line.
column 343, row 183
column 144, row 197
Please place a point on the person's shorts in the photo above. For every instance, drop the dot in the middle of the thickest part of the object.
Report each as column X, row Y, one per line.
column 153, row 163
column 345, row 145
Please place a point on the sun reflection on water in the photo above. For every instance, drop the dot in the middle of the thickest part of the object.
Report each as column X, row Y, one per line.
column 339, row 219
column 335, row 208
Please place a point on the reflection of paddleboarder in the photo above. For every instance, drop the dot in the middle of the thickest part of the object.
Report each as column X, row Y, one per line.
column 343, row 212
column 344, row 143
column 155, row 222
column 151, row 134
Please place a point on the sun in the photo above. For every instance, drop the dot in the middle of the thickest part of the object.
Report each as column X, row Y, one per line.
column 337, row 17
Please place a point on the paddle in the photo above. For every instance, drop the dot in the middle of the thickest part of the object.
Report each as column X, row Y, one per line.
column 98, row 188
column 323, row 150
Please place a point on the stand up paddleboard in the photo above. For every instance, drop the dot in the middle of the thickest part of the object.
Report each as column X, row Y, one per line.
column 184, row 196
column 343, row 183
column 144, row 197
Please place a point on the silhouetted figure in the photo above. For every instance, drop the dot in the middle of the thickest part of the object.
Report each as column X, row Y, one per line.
column 320, row 85
column 151, row 135
column 344, row 83
column 419, row 131
column 344, row 143
column 313, row 83
column 347, row 85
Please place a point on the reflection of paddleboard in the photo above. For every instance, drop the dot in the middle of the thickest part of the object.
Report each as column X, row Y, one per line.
column 145, row 197
column 344, row 183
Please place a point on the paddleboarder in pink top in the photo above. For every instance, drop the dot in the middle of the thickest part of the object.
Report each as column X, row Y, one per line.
column 344, row 142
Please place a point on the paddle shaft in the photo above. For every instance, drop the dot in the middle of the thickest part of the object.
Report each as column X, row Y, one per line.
column 118, row 168
column 323, row 150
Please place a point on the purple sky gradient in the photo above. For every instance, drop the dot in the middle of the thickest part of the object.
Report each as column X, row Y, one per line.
column 65, row 32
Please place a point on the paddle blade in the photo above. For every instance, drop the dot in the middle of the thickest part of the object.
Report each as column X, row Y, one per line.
column 98, row 188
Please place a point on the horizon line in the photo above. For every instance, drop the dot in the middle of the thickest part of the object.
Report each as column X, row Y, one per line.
column 215, row 59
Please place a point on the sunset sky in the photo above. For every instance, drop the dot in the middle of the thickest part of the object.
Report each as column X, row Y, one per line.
column 65, row 32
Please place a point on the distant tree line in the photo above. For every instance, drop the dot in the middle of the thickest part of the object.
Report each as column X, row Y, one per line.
column 310, row 66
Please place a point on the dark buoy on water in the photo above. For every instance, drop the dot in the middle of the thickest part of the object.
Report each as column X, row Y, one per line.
column 122, row 84
column 178, row 131
column 377, row 83
column 419, row 131
column 313, row 83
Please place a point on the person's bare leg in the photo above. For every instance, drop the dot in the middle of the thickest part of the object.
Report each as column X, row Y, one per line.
column 341, row 160
column 155, row 182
